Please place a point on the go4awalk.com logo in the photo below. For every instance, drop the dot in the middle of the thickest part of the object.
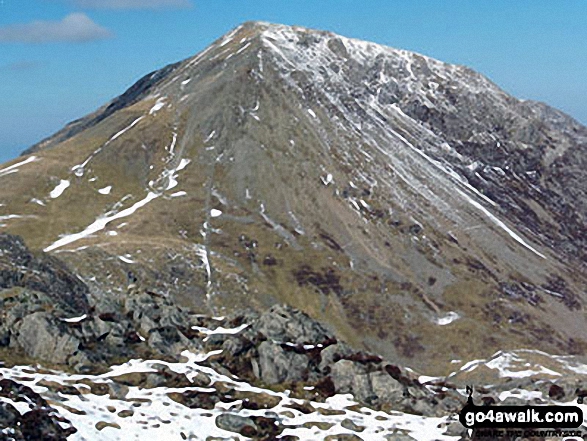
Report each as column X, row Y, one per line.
column 523, row 418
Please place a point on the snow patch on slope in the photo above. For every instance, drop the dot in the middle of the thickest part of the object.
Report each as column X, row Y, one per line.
column 100, row 223
column 158, row 105
column 14, row 167
column 59, row 189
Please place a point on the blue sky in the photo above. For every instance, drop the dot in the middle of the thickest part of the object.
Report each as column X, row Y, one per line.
column 61, row 59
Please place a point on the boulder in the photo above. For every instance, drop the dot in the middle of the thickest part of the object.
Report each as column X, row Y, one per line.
column 277, row 365
column 285, row 324
column 42, row 336
column 238, row 424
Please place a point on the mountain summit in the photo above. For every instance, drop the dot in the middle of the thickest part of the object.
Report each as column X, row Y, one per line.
column 411, row 205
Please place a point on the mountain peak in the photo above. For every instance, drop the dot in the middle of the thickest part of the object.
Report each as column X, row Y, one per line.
column 372, row 187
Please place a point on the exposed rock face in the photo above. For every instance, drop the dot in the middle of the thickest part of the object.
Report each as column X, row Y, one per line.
column 43, row 337
column 37, row 319
column 19, row 267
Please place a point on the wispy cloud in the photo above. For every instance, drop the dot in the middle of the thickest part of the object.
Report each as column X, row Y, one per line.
column 20, row 66
column 76, row 28
column 132, row 4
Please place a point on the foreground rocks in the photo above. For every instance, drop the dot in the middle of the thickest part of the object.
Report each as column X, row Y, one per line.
column 19, row 267
column 46, row 314
column 26, row 416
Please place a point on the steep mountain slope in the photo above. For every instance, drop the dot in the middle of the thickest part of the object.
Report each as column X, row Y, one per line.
column 411, row 205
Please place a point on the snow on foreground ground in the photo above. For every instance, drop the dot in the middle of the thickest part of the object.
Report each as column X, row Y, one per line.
column 100, row 408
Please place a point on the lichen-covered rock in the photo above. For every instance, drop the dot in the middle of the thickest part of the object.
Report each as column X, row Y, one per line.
column 43, row 337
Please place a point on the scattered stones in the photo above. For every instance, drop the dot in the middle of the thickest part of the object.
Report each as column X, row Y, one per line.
column 102, row 425
column 236, row 423
column 349, row 424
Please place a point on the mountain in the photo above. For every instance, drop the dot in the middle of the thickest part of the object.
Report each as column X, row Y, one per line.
column 411, row 206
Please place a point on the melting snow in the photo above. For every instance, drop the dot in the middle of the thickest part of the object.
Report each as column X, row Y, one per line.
column 447, row 319
column 74, row 319
column 158, row 105
column 326, row 180
column 178, row 194
column 202, row 253
column 522, row 395
column 123, row 131
column 172, row 173
column 156, row 416
column 105, row 190
column 79, row 169
column 173, row 141
column 500, row 224
column 506, row 362
column 100, row 223
column 210, row 136
column 126, row 258
column 14, row 167
column 220, row 330
column 59, row 189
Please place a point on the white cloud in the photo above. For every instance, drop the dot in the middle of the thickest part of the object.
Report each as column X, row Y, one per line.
column 75, row 27
column 132, row 4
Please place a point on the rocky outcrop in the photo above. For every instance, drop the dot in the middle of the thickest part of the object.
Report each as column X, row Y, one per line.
column 44, row 337
column 46, row 315
column 283, row 347
column 26, row 416
column 19, row 267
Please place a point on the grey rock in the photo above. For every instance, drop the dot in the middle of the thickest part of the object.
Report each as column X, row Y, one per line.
column 328, row 354
column 43, row 273
column 350, row 425
column 351, row 377
column 236, row 423
column 398, row 436
column 343, row 437
column 277, row 365
column 286, row 324
column 41, row 336
column 41, row 422
column 8, row 415
column 387, row 389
